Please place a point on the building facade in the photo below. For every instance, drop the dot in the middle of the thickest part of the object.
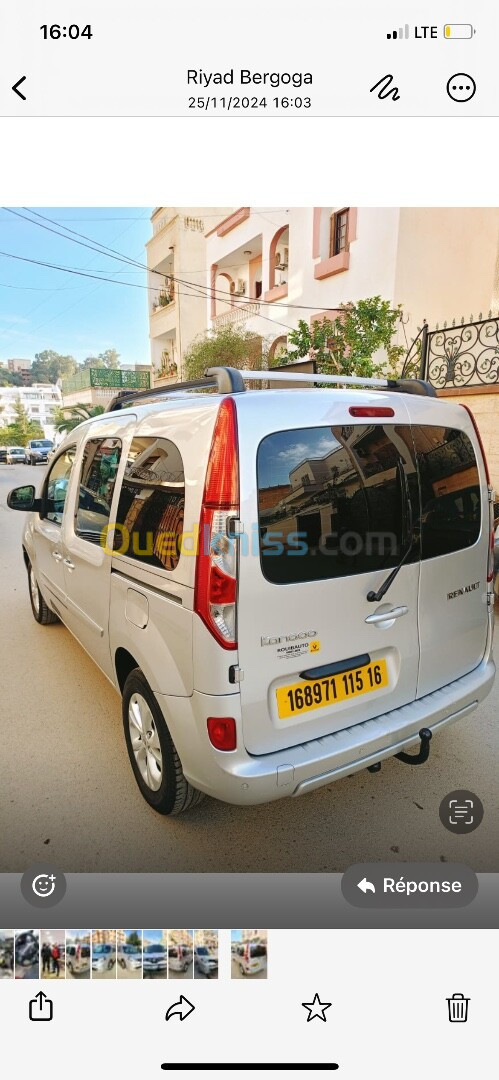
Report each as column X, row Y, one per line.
column 176, row 259
column 40, row 401
column 20, row 367
column 266, row 270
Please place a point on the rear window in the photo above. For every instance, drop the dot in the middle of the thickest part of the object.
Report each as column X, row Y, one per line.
column 450, row 490
column 352, row 499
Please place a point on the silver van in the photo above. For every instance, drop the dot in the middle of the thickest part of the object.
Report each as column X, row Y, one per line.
column 284, row 585
column 78, row 959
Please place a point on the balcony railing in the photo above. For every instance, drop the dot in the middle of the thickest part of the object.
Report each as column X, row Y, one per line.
column 238, row 313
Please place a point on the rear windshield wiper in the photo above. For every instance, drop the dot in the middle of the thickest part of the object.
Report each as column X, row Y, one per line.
column 375, row 597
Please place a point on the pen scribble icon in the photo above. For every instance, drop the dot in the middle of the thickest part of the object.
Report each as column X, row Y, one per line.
column 385, row 88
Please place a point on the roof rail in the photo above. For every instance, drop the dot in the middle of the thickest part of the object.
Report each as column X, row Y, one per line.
column 224, row 379
column 406, row 386
column 227, row 380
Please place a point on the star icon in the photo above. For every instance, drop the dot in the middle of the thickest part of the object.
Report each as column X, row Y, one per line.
column 316, row 1008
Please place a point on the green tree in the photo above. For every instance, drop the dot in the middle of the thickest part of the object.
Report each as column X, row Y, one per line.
column 134, row 939
column 10, row 378
column 110, row 358
column 22, row 428
column 67, row 419
column 347, row 344
column 49, row 366
column 227, row 347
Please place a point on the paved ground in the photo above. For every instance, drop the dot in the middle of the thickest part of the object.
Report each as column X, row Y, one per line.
column 236, row 973
column 67, row 790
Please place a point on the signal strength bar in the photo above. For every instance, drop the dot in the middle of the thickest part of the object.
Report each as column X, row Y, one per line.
column 402, row 32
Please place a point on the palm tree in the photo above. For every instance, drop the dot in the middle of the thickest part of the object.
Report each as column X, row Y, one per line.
column 66, row 419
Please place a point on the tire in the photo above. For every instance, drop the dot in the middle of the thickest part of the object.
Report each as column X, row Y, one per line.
column 163, row 784
column 70, row 967
column 40, row 609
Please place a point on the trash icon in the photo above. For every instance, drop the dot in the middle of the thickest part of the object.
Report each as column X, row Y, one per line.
column 458, row 1008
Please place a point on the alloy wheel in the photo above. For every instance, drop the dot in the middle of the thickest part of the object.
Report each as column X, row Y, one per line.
column 145, row 742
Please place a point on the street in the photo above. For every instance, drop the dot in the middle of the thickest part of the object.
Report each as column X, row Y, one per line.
column 67, row 791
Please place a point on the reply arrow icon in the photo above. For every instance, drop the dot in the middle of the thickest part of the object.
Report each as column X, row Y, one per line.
column 366, row 886
column 180, row 1008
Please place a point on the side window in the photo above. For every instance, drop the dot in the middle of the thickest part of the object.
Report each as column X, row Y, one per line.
column 57, row 485
column 97, row 479
column 150, row 515
column 450, row 490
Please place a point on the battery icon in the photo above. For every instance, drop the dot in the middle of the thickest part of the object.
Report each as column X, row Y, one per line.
column 458, row 31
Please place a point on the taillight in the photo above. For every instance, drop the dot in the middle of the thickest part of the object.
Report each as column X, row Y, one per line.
column 479, row 440
column 490, row 571
column 490, row 563
column 215, row 590
column 222, row 732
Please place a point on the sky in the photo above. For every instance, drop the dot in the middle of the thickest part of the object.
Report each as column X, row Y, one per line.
column 42, row 308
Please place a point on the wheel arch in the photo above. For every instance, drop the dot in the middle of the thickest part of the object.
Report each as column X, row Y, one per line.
column 124, row 663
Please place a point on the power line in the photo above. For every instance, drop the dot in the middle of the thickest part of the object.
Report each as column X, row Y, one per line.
column 221, row 293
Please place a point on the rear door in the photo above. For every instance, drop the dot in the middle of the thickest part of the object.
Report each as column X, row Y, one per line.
column 455, row 538
column 331, row 501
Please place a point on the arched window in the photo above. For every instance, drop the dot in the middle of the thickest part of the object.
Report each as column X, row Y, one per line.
column 279, row 261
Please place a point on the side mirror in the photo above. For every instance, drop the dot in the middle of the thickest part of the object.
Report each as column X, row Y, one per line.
column 23, row 498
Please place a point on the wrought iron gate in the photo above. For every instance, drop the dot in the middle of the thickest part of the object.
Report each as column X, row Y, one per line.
column 456, row 356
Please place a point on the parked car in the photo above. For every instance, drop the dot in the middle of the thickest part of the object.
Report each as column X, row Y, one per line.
column 129, row 957
column 103, row 957
column 205, row 961
column 78, row 959
column 179, row 957
column 37, row 451
column 3, row 455
column 251, row 958
column 285, row 586
column 155, row 958
column 15, row 455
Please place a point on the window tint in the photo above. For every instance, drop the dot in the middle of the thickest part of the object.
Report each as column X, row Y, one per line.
column 151, row 506
column 450, row 490
column 57, row 486
column 97, row 478
column 336, row 501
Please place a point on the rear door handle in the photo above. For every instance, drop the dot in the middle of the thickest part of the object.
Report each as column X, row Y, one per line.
column 387, row 616
column 70, row 565
column 57, row 556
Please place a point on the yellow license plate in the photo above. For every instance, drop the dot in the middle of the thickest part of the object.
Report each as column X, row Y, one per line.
column 305, row 696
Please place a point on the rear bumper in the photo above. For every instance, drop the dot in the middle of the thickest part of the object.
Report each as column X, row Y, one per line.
column 247, row 780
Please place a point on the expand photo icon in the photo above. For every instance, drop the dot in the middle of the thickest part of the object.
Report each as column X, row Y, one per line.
column 155, row 954
column 206, row 954
column 78, row 954
column 103, row 954
column 180, row 954
column 248, row 954
column 27, row 954
column 6, row 954
column 129, row 954
column 52, row 954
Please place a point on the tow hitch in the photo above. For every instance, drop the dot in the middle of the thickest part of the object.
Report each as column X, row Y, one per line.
column 411, row 759
column 423, row 753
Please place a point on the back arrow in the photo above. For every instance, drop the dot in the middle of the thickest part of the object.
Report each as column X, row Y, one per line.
column 181, row 1008
column 16, row 85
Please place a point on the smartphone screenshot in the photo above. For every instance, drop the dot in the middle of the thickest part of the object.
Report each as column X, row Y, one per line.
column 249, row 538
